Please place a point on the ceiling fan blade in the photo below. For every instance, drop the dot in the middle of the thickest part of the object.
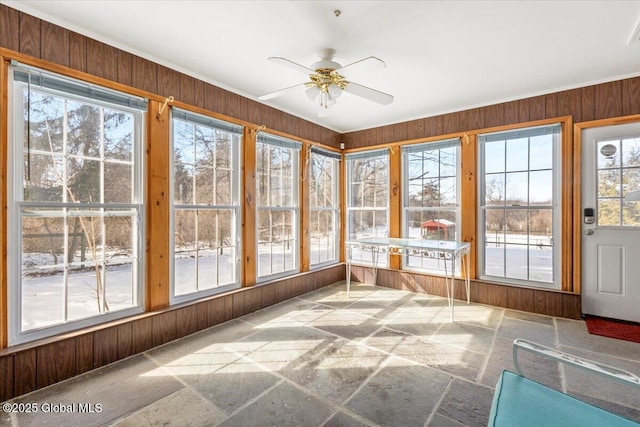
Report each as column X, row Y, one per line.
column 291, row 64
column 280, row 92
column 368, row 93
column 370, row 63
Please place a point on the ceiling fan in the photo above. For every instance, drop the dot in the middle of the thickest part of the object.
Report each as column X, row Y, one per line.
column 326, row 82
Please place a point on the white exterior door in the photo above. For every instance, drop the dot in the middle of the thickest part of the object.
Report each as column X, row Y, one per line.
column 611, row 221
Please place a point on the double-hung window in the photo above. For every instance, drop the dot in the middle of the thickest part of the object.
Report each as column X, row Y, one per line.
column 324, row 171
column 520, row 206
column 76, row 212
column 431, row 197
column 367, row 200
column 206, row 205
column 277, row 194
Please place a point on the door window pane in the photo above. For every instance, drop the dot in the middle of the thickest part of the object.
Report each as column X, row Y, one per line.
column 608, row 212
column 609, row 183
column 608, row 154
column 618, row 176
column 631, row 214
column 631, row 152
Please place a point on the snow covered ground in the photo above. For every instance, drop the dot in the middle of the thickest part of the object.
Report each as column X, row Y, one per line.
column 45, row 296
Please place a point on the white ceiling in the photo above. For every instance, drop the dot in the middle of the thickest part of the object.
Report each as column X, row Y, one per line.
column 441, row 56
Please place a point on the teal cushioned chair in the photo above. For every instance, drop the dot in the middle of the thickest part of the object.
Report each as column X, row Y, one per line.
column 521, row 402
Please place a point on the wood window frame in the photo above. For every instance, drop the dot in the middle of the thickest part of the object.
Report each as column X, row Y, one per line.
column 393, row 195
column 307, row 155
column 235, row 205
column 567, row 191
column 156, row 183
column 406, row 209
column 469, row 191
column 522, row 206
column 16, row 332
column 294, row 207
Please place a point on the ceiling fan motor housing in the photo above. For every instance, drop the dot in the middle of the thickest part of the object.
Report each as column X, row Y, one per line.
column 326, row 63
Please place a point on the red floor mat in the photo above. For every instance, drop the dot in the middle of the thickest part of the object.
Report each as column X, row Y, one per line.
column 613, row 329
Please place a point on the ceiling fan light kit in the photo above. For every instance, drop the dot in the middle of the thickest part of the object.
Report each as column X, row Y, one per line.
column 312, row 92
column 327, row 84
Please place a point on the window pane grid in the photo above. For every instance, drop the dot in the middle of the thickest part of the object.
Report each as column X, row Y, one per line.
column 617, row 175
column 206, row 208
column 367, row 202
column 524, row 243
column 277, row 208
column 518, row 206
column 205, row 249
column 323, row 209
column 430, row 211
column 78, row 212
column 276, row 243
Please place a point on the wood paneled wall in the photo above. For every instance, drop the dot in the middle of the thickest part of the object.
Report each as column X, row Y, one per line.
column 40, row 39
column 37, row 364
column 602, row 101
column 606, row 100
column 32, row 366
column 541, row 301
column 28, row 367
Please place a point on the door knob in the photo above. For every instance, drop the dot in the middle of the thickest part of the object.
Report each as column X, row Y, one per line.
column 588, row 231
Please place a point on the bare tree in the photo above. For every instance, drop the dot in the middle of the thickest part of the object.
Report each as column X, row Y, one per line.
column 67, row 142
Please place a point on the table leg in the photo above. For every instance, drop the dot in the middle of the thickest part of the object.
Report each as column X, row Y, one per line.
column 453, row 284
column 449, row 284
column 466, row 264
column 374, row 258
column 348, row 270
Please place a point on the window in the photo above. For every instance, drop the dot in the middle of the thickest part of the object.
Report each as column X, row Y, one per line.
column 206, row 207
column 367, row 200
column 430, row 201
column 76, row 204
column 618, row 178
column 323, row 206
column 519, row 205
column 277, row 196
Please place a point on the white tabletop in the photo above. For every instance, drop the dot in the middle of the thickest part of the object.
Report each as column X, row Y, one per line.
column 424, row 244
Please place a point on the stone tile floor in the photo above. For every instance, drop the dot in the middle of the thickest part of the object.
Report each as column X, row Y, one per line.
column 382, row 357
